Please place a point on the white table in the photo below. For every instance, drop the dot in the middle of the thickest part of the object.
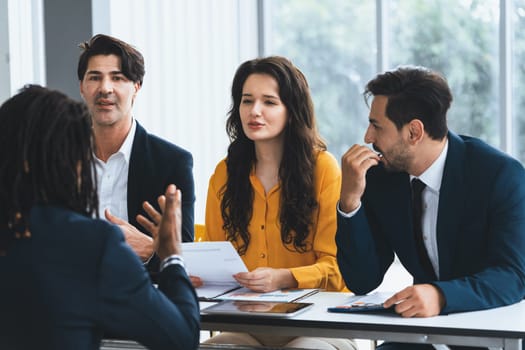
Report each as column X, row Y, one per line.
column 502, row 327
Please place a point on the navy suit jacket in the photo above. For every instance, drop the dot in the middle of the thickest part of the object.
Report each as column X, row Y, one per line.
column 154, row 164
column 480, row 229
column 76, row 278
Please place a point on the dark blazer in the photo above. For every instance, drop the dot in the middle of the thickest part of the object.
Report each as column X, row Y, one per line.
column 76, row 278
column 480, row 229
column 154, row 164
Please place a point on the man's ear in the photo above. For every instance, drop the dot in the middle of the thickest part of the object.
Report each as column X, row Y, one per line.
column 416, row 131
column 137, row 87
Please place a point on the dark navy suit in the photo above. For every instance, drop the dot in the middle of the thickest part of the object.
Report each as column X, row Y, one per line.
column 76, row 278
column 480, row 229
column 154, row 164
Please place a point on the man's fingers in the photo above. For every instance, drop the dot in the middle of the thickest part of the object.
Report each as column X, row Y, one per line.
column 169, row 199
column 406, row 309
column 416, row 301
column 410, row 308
column 169, row 228
column 352, row 150
column 359, row 153
column 152, row 212
column 362, row 158
column 171, row 205
column 394, row 299
column 398, row 297
column 112, row 218
column 147, row 224
column 162, row 202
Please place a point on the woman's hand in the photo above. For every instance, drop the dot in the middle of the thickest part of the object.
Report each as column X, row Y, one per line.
column 266, row 279
column 196, row 281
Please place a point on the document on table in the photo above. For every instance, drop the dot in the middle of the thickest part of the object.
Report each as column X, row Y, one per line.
column 215, row 263
column 282, row 295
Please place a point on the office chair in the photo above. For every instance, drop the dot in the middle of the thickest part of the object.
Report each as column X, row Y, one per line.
column 200, row 230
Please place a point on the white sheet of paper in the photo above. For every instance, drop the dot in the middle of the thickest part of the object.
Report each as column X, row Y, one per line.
column 281, row 295
column 215, row 263
column 210, row 291
column 373, row 298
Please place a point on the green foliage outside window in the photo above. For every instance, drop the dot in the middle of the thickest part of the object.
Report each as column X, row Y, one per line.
column 334, row 44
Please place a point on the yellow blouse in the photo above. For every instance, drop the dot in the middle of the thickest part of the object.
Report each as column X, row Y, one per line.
column 316, row 268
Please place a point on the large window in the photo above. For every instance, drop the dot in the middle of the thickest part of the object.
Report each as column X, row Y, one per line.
column 333, row 43
column 518, row 82
column 460, row 40
column 340, row 45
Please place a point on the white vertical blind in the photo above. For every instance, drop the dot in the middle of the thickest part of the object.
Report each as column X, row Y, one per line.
column 5, row 80
column 191, row 50
column 25, row 43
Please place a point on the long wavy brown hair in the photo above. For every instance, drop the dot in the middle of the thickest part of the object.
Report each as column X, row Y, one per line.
column 296, row 172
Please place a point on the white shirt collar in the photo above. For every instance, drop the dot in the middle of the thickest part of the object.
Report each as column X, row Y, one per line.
column 125, row 149
column 434, row 174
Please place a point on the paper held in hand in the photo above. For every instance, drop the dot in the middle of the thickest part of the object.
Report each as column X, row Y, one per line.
column 214, row 263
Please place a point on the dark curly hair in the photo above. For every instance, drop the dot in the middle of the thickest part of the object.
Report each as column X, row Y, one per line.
column 414, row 92
column 131, row 59
column 46, row 157
column 296, row 172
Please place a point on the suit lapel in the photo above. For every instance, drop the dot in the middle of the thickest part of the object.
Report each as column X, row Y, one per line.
column 137, row 166
column 451, row 203
column 393, row 196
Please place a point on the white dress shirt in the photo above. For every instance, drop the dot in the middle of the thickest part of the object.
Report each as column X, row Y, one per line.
column 432, row 178
column 112, row 179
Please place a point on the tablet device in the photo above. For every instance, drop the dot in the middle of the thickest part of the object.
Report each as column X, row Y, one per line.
column 257, row 308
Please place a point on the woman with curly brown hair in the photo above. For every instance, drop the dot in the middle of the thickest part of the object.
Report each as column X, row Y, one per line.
column 274, row 196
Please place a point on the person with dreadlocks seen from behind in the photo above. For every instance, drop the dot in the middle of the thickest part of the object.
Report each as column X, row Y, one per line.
column 66, row 277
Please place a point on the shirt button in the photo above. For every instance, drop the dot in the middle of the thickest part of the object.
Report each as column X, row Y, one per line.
column 262, row 227
column 263, row 255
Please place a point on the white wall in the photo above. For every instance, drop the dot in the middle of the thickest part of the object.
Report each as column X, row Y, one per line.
column 5, row 80
column 25, row 43
column 191, row 49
